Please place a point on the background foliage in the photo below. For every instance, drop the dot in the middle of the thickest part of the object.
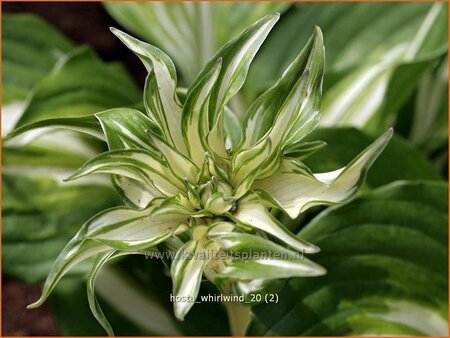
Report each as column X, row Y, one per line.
column 385, row 251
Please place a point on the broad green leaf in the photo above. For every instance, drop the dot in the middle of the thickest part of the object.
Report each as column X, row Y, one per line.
column 160, row 98
column 31, row 47
column 294, row 188
column 139, row 165
column 259, row 258
column 398, row 161
column 38, row 221
column 59, row 95
column 377, row 283
column 190, row 32
column 252, row 213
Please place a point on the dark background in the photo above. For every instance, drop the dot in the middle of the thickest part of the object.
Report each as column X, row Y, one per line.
column 83, row 23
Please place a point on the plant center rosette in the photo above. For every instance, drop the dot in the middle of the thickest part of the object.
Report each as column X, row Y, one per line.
column 199, row 181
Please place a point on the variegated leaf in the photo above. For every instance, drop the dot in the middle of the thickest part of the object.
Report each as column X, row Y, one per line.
column 160, row 96
column 251, row 212
column 125, row 229
column 236, row 57
column 195, row 117
column 29, row 132
column 294, row 188
column 136, row 164
column 289, row 110
column 187, row 271
column 126, row 128
column 259, row 258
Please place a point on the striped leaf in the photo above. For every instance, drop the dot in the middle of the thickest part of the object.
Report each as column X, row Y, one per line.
column 135, row 194
column 160, row 98
column 139, row 165
column 27, row 133
column 259, row 258
column 294, row 188
column 180, row 165
column 236, row 57
column 76, row 251
column 252, row 213
column 289, row 110
column 370, row 96
column 195, row 114
column 187, row 272
column 125, row 229
column 126, row 128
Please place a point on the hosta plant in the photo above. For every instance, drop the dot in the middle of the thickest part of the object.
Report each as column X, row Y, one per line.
column 203, row 185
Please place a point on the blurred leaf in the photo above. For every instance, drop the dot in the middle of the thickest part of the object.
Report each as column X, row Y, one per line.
column 374, row 60
column 70, row 307
column 386, row 256
column 189, row 32
column 39, row 219
column 31, row 47
column 399, row 160
column 430, row 124
column 80, row 85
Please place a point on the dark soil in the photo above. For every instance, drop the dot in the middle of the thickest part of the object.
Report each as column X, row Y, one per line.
column 16, row 319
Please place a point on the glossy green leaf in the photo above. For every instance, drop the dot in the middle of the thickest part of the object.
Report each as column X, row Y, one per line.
column 386, row 254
